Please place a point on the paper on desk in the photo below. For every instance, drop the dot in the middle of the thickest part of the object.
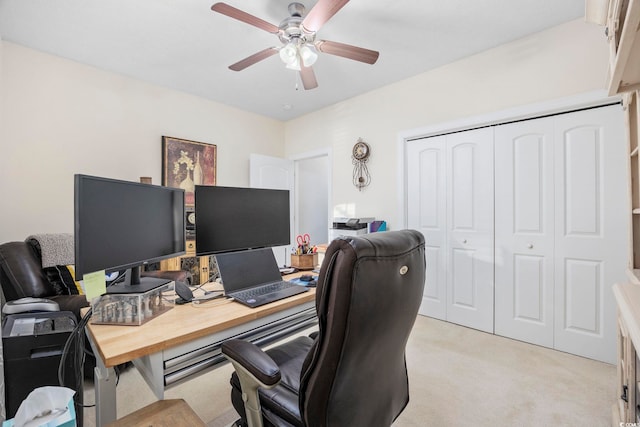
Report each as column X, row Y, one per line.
column 95, row 284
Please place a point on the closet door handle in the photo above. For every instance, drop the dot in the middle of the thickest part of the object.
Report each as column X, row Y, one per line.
column 530, row 245
column 464, row 241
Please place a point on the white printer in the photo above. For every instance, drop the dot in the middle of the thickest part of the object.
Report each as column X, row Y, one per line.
column 350, row 227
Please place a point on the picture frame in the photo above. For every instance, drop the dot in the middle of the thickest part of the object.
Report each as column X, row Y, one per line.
column 186, row 164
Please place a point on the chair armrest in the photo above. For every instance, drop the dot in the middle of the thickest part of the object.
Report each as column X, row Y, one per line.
column 255, row 369
column 253, row 359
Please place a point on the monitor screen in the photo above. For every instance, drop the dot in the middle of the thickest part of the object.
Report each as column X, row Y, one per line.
column 121, row 225
column 235, row 218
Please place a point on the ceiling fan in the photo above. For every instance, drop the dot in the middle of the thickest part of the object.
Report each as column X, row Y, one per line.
column 297, row 33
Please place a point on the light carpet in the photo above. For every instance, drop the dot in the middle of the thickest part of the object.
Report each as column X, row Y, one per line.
column 457, row 376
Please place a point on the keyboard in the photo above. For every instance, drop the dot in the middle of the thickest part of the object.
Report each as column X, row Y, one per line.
column 263, row 290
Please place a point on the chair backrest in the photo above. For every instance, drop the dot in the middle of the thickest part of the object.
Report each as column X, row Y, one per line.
column 21, row 273
column 367, row 299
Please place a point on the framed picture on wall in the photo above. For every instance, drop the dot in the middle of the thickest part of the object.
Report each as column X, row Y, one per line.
column 186, row 164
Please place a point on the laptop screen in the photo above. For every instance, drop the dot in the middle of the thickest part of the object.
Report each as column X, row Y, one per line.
column 246, row 269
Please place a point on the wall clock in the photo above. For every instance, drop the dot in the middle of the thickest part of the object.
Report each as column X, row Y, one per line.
column 360, row 156
column 361, row 150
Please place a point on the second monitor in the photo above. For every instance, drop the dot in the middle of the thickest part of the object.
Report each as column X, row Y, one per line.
column 236, row 218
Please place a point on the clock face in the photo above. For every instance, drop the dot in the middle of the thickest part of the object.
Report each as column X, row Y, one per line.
column 361, row 150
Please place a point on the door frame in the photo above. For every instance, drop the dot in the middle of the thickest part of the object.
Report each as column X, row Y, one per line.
column 321, row 152
column 586, row 100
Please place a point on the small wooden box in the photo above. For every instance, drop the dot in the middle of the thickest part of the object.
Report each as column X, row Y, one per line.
column 304, row 262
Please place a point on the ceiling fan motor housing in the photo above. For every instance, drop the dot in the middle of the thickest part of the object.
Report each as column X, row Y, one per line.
column 291, row 28
column 296, row 9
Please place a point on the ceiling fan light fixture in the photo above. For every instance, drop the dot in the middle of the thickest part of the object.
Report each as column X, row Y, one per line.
column 295, row 64
column 289, row 53
column 308, row 54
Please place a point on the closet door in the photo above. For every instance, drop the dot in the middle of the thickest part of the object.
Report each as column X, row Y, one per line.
column 524, row 225
column 470, row 231
column 426, row 211
column 591, row 229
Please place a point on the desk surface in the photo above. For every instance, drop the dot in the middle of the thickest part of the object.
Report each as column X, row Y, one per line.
column 183, row 323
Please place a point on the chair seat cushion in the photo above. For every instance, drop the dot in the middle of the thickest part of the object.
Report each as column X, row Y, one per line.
column 282, row 400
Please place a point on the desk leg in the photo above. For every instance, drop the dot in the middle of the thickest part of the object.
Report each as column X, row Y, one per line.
column 104, row 381
column 105, row 392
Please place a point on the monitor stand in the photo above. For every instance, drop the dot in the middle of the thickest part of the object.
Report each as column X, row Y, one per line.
column 134, row 284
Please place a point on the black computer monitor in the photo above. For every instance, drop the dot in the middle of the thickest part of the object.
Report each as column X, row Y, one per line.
column 122, row 225
column 237, row 218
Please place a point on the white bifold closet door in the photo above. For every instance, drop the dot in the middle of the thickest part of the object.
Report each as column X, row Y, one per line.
column 525, row 236
column 592, row 229
column 450, row 200
column 427, row 212
column 561, row 229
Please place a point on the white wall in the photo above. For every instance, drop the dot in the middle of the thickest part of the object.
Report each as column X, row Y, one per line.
column 562, row 61
column 59, row 118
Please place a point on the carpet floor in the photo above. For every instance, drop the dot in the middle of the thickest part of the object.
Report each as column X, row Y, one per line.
column 457, row 376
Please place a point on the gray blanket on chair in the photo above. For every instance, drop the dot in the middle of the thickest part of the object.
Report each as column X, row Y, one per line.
column 56, row 249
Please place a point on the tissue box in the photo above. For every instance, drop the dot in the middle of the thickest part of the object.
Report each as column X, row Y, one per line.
column 133, row 309
column 66, row 419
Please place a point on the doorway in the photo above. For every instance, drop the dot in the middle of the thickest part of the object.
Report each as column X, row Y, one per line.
column 308, row 178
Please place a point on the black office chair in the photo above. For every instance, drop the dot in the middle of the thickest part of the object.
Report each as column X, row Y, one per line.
column 353, row 371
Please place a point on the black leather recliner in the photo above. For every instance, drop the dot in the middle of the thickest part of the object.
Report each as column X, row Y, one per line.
column 21, row 275
column 353, row 372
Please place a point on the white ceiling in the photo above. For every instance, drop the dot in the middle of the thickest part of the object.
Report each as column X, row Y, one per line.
column 183, row 45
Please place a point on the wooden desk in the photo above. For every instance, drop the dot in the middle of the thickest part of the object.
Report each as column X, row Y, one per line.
column 185, row 341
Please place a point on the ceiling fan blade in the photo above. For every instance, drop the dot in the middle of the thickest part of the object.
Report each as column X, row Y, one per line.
column 308, row 78
column 245, row 17
column 348, row 51
column 321, row 13
column 256, row 57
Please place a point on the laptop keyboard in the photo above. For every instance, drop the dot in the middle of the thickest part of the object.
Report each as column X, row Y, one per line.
column 263, row 290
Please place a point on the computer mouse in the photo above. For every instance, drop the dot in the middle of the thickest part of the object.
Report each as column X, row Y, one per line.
column 311, row 284
column 306, row 278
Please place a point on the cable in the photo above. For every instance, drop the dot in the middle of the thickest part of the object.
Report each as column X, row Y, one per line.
column 118, row 279
column 74, row 337
column 197, row 287
column 74, row 347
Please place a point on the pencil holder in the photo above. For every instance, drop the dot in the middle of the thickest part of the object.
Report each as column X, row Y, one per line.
column 305, row 261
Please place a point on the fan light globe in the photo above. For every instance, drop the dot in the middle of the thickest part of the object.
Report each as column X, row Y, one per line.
column 289, row 54
column 295, row 64
column 308, row 55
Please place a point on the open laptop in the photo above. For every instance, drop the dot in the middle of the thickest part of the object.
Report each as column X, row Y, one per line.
column 253, row 278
